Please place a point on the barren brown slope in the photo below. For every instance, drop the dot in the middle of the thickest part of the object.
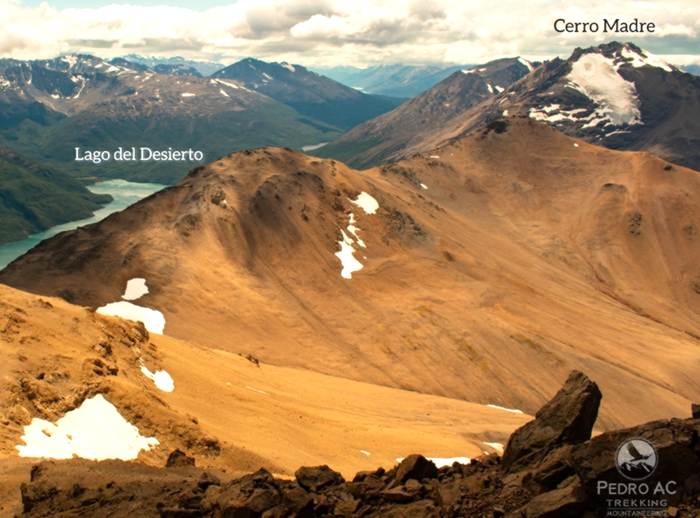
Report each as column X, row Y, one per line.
column 528, row 255
column 227, row 412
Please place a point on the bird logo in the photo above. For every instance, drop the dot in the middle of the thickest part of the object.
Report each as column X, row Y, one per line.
column 636, row 459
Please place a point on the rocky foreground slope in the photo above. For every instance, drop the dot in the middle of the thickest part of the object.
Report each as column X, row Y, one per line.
column 551, row 468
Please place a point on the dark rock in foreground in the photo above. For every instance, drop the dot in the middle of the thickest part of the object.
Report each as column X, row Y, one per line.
column 551, row 468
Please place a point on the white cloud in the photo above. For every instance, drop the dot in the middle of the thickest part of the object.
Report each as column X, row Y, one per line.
column 330, row 32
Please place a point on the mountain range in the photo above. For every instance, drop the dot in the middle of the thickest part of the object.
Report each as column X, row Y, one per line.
column 413, row 124
column 309, row 93
column 50, row 107
column 395, row 80
column 615, row 94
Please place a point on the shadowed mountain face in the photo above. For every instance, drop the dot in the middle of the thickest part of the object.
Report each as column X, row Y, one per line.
column 496, row 255
column 309, row 93
column 394, row 134
column 34, row 197
column 615, row 95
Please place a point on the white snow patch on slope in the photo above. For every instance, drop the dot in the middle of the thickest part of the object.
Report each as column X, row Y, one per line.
column 162, row 379
column 499, row 89
column 221, row 91
column 187, row 94
column 288, row 66
column 366, row 202
column 227, row 83
column 596, row 76
column 95, row 430
column 496, row 446
column 365, row 453
column 488, row 85
column 512, row 410
column 347, row 259
column 648, row 59
column 151, row 318
column 354, row 230
column 423, row 186
column 135, row 288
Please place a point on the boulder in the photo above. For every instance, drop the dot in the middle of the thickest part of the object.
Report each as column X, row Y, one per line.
column 695, row 410
column 567, row 500
column 179, row 459
column 567, row 418
column 318, row 477
column 416, row 467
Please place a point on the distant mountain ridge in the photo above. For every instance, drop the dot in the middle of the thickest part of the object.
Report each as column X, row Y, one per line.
column 203, row 68
column 616, row 95
column 49, row 107
column 307, row 92
column 394, row 134
column 394, row 80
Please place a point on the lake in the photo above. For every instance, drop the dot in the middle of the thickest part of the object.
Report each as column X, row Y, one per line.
column 124, row 194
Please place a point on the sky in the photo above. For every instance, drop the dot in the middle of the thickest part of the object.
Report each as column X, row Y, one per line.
column 324, row 33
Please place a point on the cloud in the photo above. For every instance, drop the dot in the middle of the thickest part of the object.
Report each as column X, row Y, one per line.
column 342, row 32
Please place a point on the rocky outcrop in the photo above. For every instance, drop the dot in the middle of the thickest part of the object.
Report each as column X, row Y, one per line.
column 567, row 419
column 553, row 469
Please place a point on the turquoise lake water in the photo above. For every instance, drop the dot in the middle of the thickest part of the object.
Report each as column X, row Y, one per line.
column 124, row 194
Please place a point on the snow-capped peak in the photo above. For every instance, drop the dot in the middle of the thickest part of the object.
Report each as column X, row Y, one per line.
column 597, row 77
column 641, row 59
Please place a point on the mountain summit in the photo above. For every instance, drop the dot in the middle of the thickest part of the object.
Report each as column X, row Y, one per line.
column 307, row 92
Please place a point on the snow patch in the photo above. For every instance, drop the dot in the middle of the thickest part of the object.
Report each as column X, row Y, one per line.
column 95, row 431
column 135, row 289
column 347, row 259
column 288, row 66
column 511, row 410
column 499, row 89
column 488, row 85
column 423, row 186
column 596, row 77
column 365, row 453
column 496, row 446
column 187, row 94
column 255, row 390
column 221, row 91
column 645, row 59
column 151, row 318
column 354, row 230
column 162, row 380
column 366, row 202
